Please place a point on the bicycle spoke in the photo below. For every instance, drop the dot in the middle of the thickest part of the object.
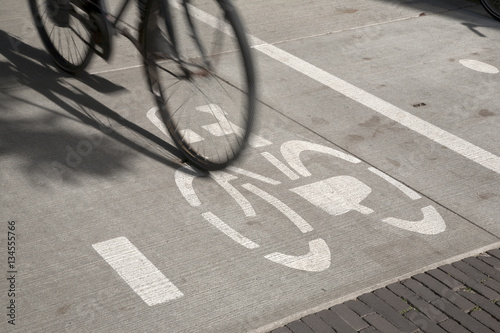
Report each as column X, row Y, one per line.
column 209, row 108
column 64, row 34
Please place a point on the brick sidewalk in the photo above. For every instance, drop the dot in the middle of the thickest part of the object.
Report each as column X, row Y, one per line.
column 456, row 298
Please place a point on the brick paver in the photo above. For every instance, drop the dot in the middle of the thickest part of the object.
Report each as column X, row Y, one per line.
column 350, row 317
column 336, row 322
column 469, row 282
column 425, row 324
column 299, row 327
column 462, row 297
column 394, row 317
column 317, row 324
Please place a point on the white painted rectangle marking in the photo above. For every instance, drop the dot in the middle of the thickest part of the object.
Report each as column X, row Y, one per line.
column 137, row 271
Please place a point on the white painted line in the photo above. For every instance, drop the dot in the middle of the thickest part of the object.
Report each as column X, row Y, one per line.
column 436, row 134
column 223, row 126
column 153, row 117
column 282, row 207
column 223, row 179
column 336, row 195
column 190, row 136
column 317, row 260
column 137, row 271
column 184, row 178
column 422, row 127
column 253, row 175
column 116, row 69
column 291, row 151
column 204, row 17
column 402, row 187
column 280, row 166
column 431, row 224
column 258, row 141
column 230, row 232
column 479, row 66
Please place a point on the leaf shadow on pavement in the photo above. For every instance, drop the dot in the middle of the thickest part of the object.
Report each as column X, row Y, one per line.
column 42, row 146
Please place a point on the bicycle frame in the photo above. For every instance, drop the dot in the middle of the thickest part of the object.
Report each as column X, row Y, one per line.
column 108, row 23
column 113, row 20
column 101, row 5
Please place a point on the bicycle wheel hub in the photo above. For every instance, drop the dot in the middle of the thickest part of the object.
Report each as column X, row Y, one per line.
column 59, row 12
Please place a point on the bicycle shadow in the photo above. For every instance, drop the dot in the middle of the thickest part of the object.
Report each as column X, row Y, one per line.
column 39, row 135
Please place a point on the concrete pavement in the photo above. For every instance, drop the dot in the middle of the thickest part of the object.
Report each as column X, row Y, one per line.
column 381, row 162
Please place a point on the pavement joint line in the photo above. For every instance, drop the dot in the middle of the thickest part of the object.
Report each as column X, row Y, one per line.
column 279, row 323
column 116, row 69
column 255, row 42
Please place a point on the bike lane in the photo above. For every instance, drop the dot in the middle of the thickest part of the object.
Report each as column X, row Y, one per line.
column 428, row 116
column 317, row 223
column 324, row 224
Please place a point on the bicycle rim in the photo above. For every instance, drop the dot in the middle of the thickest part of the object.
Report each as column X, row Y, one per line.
column 64, row 31
column 492, row 7
column 207, row 109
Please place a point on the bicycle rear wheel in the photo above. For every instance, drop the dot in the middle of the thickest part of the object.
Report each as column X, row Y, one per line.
column 204, row 87
column 492, row 7
column 63, row 28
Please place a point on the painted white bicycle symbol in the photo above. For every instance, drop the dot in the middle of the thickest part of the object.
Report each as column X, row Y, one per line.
column 335, row 195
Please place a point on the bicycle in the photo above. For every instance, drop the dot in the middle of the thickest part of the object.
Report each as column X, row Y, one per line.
column 492, row 7
column 204, row 86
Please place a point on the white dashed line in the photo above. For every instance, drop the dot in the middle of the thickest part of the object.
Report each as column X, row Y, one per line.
column 137, row 271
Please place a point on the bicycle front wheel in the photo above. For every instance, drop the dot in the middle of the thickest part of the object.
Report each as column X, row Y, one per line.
column 64, row 30
column 202, row 76
column 492, row 7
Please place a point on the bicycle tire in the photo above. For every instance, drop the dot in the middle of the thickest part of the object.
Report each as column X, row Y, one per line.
column 492, row 7
column 67, row 39
column 190, row 104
